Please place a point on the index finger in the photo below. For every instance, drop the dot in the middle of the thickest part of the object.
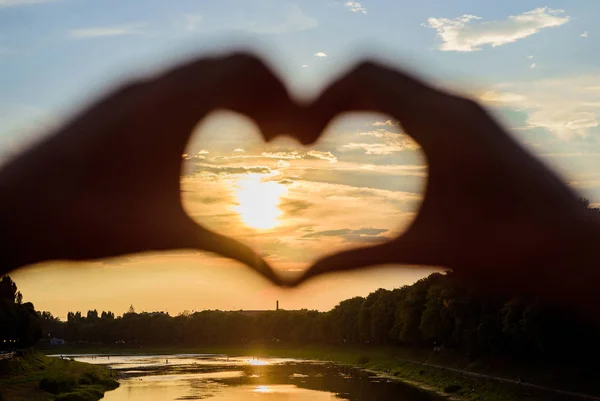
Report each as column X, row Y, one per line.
column 372, row 86
column 239, row 82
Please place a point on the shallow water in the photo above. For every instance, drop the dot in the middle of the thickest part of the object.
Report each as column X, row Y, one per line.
column 198, row 377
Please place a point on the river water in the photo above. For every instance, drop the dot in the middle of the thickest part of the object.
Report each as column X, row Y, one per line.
column 218, row 377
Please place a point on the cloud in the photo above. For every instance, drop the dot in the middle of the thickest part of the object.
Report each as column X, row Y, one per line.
column 192, row 21
column 532, row 66
column 283, row 164
column 203, row 152
column 567, row 107
column 468, row 33
column 294, row 207
column 387, row 123
column 373, row 148
column 320, row 54
column 292, row 19
column 264, row 157
column 14, row 3
column 584, row 35
column 304, row 66
column 356, row 7
column 530, row 57
column 390, row 142
column 226, row 170
column 98, row 32
column 282, row 155
column 322, row 156
column 350, row 235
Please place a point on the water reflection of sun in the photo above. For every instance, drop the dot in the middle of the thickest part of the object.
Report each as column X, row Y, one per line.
column 258, row 201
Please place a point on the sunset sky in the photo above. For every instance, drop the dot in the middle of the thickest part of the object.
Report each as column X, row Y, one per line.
column 535, row 64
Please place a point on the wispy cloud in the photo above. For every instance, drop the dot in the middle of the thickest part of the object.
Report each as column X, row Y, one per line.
column 356, row 7
column 351, row 235
column 320, row 54
column 533, row 65
column 13, row 3
column 385, row 143
column 99, row 32
column 293, row 19
column 584, row 35
column 282, row 155
column 567, row 107
column 387, row 123
column 468, row 33
column 226, row 170
column 330, row 157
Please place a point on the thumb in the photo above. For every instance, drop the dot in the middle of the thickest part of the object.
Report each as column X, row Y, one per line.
column 206, row 240
column 402, row 250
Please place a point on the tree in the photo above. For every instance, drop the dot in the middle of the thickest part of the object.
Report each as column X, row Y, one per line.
column 9, row 292
column 20, row 324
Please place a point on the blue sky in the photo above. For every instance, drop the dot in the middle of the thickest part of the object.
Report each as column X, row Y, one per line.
column 536, row 65
column 46, row 64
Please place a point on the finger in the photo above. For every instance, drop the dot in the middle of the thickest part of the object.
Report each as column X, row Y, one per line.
column 166, row 108
column 239, row 82
column 403, row 250
column 373, row 87
column 210, row 241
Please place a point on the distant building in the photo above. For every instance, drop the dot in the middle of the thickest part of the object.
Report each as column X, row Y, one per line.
column 258, row 312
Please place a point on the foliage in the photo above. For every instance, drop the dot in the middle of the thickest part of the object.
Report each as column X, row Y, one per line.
column 19, row 322
column 36, row 376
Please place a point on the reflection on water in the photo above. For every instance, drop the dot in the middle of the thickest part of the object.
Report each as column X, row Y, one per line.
column 196, row 377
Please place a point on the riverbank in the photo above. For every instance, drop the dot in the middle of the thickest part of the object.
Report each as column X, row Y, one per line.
column 37, row 377
column 446, row 373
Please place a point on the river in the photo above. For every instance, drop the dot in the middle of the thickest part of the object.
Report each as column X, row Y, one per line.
column 219, row 377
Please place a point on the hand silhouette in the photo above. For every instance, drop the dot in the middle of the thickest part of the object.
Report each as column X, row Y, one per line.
column 491, row 212
column 108, row 183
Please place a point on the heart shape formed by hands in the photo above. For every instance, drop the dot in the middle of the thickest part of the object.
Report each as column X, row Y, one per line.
column 110, row 178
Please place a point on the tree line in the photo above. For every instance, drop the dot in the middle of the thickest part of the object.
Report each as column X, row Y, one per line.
column 437, row 311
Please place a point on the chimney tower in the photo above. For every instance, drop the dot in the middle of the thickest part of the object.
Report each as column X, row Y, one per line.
column 277, row 305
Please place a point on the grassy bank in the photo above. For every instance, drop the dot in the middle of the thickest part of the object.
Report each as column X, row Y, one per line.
column 407, row 365
column 37, row 377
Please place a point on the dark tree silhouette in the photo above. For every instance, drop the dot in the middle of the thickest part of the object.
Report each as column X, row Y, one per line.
column 20, row 324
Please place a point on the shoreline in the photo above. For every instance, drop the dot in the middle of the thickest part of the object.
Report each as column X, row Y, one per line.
column 453, row 384
column 41, row 377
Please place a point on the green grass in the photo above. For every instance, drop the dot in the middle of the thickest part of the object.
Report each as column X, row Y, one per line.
column 39, row 377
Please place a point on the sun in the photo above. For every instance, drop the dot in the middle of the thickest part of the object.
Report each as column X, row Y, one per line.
column 258, row 201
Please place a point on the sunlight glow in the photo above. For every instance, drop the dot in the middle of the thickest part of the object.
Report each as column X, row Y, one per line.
column 262, row 389
column 256, row 362
column 258, row 201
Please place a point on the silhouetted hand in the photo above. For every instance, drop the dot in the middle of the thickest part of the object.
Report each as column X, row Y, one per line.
column 492, row 212
column 108, row 183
